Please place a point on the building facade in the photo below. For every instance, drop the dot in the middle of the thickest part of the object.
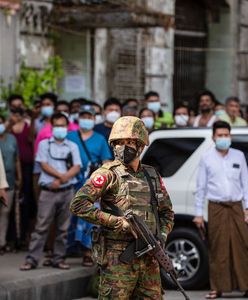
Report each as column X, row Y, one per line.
column 125, row 48
column 9, row 36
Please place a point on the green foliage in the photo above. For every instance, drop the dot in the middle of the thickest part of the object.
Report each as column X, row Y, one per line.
column 30, row 83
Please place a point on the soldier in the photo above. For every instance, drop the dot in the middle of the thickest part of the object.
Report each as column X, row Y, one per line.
column 125, row 183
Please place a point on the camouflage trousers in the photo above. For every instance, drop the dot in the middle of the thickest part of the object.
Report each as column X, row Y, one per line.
column 139, row 280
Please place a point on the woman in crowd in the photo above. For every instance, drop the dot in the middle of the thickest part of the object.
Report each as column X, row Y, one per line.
column 148, row 117
column 21, row 131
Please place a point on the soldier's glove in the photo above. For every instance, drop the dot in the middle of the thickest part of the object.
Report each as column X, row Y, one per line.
column 120, row 224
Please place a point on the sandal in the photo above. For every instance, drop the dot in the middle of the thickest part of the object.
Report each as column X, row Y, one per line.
column 27, row 267
column 213, row 295
column 47, row 262
column 61, row 265
column 87, row 261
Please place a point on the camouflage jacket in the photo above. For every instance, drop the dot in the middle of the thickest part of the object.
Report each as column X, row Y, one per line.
column 127, row 189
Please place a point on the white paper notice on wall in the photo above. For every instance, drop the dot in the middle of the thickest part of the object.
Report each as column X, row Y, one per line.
column 74, row 83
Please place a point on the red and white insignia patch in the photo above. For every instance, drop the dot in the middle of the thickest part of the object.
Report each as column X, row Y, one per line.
column 162, row 183
column 99, row 180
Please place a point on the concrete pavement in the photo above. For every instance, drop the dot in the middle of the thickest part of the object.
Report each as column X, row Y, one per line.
column 52, row 284
column 43, row 283
column 194, row 295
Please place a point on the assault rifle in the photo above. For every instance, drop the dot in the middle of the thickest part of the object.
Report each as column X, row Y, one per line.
column 147, row 243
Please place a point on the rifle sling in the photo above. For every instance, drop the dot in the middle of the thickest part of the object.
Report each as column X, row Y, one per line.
column 154, row 204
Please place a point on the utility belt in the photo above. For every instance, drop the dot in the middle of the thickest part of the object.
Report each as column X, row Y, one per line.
column 62, row 189
column 109, row 234
column 117, row 245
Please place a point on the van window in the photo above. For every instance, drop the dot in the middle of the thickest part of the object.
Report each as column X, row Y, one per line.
column 168, row 155
column 240, row 142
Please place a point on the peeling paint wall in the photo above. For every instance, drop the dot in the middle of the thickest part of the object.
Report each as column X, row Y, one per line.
column 75, row 52
column 131, row 61
column 8, row 46
column 35, row 45
column 160, row 59
column 100, row 65
column 242, row 54
column 159, row 65
column 219, row 58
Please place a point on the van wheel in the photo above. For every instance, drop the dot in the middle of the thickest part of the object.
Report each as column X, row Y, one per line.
column 189, row 256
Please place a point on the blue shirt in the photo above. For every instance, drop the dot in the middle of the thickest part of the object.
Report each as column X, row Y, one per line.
column 9, row 148
column 103, row 129
column 54, row 154
column 96, row 145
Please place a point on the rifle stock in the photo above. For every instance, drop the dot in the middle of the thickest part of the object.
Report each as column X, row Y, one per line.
column 153, row 247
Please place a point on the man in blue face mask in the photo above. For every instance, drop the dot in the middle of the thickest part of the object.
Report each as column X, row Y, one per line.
column 60, row 163
column 222, row 179
column 94, row 151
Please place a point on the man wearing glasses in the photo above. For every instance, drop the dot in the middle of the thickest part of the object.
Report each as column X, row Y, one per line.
column 60, row 162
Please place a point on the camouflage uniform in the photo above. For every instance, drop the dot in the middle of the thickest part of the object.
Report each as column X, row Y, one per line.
column 117, row 183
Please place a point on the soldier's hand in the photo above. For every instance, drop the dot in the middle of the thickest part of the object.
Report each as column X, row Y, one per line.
column 123, row 225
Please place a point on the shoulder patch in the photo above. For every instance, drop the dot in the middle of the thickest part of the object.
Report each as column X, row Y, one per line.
column 111, row 164
column 161, row 182
column 99, row 180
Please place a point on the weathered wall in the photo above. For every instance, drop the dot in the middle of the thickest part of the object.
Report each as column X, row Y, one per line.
column 75, row 53
column 100, row 65
column 160, row 58
column 160, row 65
column 131, row 61
column 8, row 46
column 126, row 62
column 220, row 56
column 242, row 55
column 35, row 46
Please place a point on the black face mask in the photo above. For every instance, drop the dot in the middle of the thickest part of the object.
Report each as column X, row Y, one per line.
column 125, row 154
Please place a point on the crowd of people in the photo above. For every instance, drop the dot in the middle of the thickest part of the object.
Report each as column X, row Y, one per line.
column 49, row 151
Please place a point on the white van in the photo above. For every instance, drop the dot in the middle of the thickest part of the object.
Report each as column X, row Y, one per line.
column 175, row 153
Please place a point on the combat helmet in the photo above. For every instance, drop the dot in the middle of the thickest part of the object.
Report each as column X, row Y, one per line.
column 129, row 128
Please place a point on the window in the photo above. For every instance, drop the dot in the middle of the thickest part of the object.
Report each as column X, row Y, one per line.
column 240, row 142
column 168, row 155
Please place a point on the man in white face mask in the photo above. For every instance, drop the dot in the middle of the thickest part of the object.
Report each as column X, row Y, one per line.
column 181, row 116
column 222, row 179
column 112, row 112
column 60, row 162
column 163, row 119
column 94, row 151
column 98, row 109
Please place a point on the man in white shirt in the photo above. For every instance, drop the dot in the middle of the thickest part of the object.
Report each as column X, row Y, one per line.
column 3, row 183
column 223, row 180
